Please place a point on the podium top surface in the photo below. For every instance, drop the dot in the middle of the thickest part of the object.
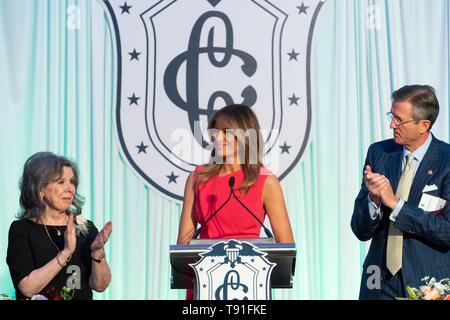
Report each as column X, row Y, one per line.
column 205, row 244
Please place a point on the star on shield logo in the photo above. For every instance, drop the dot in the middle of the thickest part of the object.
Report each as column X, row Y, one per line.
column 233, row 270
column 178, row 61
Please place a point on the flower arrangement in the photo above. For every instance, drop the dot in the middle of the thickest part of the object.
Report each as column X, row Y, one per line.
column 432, row 290
column 50, row 294
column 64, row 294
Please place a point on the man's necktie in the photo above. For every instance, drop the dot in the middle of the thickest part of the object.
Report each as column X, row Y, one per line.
column 395, row 238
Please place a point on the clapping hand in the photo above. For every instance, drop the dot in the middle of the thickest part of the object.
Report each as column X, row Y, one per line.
column 102, row 237
column 70, row 239
column 380, row 188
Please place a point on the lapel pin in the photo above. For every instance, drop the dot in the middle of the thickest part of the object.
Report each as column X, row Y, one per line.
column 430, row 172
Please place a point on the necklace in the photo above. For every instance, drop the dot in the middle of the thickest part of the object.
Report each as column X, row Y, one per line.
column 51, row 240
column 58, row 231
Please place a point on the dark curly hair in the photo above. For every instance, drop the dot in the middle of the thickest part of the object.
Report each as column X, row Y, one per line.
column 39, row 170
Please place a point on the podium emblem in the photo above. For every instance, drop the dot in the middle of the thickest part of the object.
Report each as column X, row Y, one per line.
column 233, row 270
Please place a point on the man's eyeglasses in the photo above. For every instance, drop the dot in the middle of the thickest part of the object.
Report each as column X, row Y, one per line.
column 398, row 122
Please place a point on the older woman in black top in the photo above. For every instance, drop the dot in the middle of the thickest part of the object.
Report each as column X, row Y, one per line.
column 52, row 248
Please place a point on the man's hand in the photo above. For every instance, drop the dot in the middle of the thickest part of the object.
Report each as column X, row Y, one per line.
column 374, row 183
column 380, row 188
column 388, row 197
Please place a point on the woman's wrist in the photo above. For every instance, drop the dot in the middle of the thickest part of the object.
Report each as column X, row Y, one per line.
column 98, row 255
column 97, row 252
column 63, row 257
column 66, row 253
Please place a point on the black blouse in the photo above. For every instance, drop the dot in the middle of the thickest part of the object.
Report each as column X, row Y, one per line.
column 30, row 248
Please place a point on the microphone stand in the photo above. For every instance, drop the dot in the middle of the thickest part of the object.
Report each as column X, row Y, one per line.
column 266, row 231
column 231, row 185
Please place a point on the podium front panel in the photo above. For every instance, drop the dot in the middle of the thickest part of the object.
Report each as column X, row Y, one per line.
column 183, row 275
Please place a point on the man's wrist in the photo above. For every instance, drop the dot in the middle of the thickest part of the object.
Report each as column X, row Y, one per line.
column 375, row 200
column 393, row 203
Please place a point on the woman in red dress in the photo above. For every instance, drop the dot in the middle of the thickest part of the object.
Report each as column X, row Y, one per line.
column 236, row 154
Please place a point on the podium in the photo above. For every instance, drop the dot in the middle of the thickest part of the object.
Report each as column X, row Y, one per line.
column 214, row 268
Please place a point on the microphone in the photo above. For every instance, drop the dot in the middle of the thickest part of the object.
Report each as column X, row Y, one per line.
column 231, row 185
column 266, row 231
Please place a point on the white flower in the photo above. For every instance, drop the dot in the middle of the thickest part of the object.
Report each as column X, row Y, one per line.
column 39, row 297
column 81, row 225
column 424, row 288
column 440, row 287
column 425, row 278
column 80, row 220
column 432, row 281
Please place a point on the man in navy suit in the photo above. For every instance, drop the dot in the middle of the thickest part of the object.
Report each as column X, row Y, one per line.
column 402, row 204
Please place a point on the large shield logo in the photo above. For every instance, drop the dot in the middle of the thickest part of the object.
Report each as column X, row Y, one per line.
column 178, row 61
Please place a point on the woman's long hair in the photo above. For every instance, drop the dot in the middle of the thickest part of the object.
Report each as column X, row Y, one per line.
column 39, row 170
column 241, row 118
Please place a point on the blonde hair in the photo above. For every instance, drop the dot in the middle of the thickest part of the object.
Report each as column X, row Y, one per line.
column 243, row 118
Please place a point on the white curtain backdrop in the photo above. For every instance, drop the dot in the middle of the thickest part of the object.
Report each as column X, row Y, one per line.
column 56, row 93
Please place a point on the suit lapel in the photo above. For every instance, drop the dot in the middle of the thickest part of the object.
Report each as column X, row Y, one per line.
column 394, row 168
column 429, row 162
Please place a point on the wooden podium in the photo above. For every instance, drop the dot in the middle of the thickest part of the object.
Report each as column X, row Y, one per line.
column 225, row 269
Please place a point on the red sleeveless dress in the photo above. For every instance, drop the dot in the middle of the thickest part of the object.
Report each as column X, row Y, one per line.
column 232, row 221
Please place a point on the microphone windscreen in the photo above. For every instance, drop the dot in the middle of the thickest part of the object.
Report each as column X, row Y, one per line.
column 231, row 182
